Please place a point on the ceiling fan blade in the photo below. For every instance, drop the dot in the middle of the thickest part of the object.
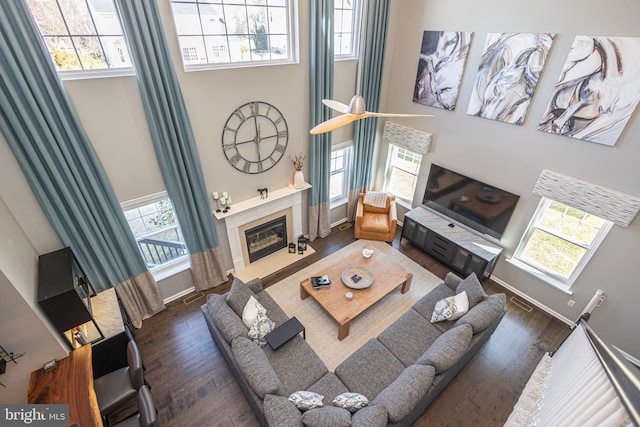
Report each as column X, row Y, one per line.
column 335, row 123
column 370, row 114
column 335, row 105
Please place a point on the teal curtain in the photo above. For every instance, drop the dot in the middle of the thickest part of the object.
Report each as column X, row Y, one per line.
column 322, row 48
column 46, row 136
column 364, row 132
column 173, row 138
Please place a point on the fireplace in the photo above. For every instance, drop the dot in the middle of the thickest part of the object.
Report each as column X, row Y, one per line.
column 266, row 238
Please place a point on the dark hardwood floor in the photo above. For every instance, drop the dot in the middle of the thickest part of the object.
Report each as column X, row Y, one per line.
column 192, row 386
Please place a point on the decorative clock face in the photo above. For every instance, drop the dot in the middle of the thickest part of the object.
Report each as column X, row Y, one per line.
column 255, row 137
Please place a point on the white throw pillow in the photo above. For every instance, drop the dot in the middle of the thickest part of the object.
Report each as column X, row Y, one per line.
column 350, row 401
column 305, row 400
column 451, row 308
column 250, row 311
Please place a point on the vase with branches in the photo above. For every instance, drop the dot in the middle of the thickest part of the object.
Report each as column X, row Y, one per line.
column 298, row 162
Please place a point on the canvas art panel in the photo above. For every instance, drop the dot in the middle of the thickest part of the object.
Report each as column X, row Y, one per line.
column 440, row 67
column 508, row 75
column 597, row 91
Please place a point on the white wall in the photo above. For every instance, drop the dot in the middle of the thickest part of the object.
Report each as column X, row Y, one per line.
column 512, row 156
column 24, row 329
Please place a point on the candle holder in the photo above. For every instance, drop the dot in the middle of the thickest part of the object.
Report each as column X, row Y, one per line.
column 216, row 197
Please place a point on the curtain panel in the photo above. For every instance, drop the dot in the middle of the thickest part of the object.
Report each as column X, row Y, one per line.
column 46, row 136
column 322, row 62
column 173, row 138
column 364, row 133
column 617, row 207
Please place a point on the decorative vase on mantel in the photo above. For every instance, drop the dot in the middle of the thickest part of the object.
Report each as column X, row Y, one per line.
column 298, row 179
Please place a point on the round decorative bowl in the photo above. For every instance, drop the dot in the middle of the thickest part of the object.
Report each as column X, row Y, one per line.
column 357, row 277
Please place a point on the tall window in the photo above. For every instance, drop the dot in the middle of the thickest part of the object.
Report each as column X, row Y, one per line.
column 81, row 34
column 155, row 226
column 228, row 33
column 346, row 28
column 401, row 175
column 340, row 166
column 560, row 240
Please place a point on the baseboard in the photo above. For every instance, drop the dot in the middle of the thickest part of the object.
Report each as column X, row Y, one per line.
column 533, row 301
column 179, row 295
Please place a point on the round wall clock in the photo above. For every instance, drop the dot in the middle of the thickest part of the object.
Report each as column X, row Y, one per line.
column 255, row 137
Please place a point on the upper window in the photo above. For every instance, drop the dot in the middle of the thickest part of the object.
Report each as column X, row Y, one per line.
column 346, row 28
column 155, row 226
column 401, row 175
column 82, row 35
column 231, row 33
column 560, row 240
column 340, row 164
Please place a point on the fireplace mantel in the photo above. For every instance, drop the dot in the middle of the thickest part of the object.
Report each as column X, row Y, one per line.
column 256, row 208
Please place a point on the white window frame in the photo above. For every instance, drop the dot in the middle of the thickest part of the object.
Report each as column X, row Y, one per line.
column 355, row 32
column 546, row 274
column 169, row 268
column 292, row 39
column 388, row 172
column 347, row 166
column 91, row 73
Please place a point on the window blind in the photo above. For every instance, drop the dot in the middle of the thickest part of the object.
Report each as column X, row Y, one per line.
column 406, row 137
column 612, row 205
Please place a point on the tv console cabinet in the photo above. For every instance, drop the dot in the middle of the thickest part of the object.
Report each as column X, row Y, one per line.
column 450, row 243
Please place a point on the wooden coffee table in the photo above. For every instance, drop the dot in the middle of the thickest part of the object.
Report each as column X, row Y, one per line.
column 387, row 276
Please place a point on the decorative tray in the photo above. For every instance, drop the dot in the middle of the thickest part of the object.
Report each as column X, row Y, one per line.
column 357, row 277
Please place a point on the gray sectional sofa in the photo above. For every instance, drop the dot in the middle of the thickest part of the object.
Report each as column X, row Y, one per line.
column 400, row 372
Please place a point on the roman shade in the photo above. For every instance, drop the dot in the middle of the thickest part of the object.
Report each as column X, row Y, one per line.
column 611, row 205
column 406, row 137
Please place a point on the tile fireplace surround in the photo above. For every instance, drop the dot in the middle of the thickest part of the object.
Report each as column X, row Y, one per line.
column 253, row 211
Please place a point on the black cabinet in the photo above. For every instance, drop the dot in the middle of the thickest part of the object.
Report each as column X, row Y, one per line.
column 64, row 295
column 449, row 243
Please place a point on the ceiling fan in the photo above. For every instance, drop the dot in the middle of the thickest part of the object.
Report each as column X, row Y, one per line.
column 356, row 110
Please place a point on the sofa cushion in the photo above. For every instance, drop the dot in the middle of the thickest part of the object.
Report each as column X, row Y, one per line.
column 306, row 400
column 250, row 311
column 484, row 313
column 238, row 296
column 296, row 364
column 254, row 285
column 369, row 369
column 274, row 311
column 426, row 304
column 255, row 367
column 225, row 319
column 450, row 308
column 352, row 402
column 260, row 328
column 329, row 386
column 448, row 348
column 278, row 411
column 370, row 416
column 327, row 416
column 409, row 336
column 474, row 289
column 401, row 396
column 452, row 280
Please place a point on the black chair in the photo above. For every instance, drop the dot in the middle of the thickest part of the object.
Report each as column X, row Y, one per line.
column 146, row 415
column 119, row 387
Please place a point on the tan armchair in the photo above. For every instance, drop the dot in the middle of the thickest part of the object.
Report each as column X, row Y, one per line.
column 376, row 223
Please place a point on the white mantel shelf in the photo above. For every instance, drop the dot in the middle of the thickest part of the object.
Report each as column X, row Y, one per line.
column 247, row 211
column 255, row 202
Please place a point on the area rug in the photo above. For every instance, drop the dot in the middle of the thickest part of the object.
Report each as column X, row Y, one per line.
column 322, row 331
column 271, row 263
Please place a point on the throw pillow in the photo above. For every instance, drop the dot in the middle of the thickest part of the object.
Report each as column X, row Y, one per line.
column 474, row 289
column 238, row 296
column 350, row 401
column 450, row 308
column 261, row 327
column 448, row 349
column 250, row 311
column 305, row 400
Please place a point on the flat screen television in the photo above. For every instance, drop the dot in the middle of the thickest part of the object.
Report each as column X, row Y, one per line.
column 478, row 205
